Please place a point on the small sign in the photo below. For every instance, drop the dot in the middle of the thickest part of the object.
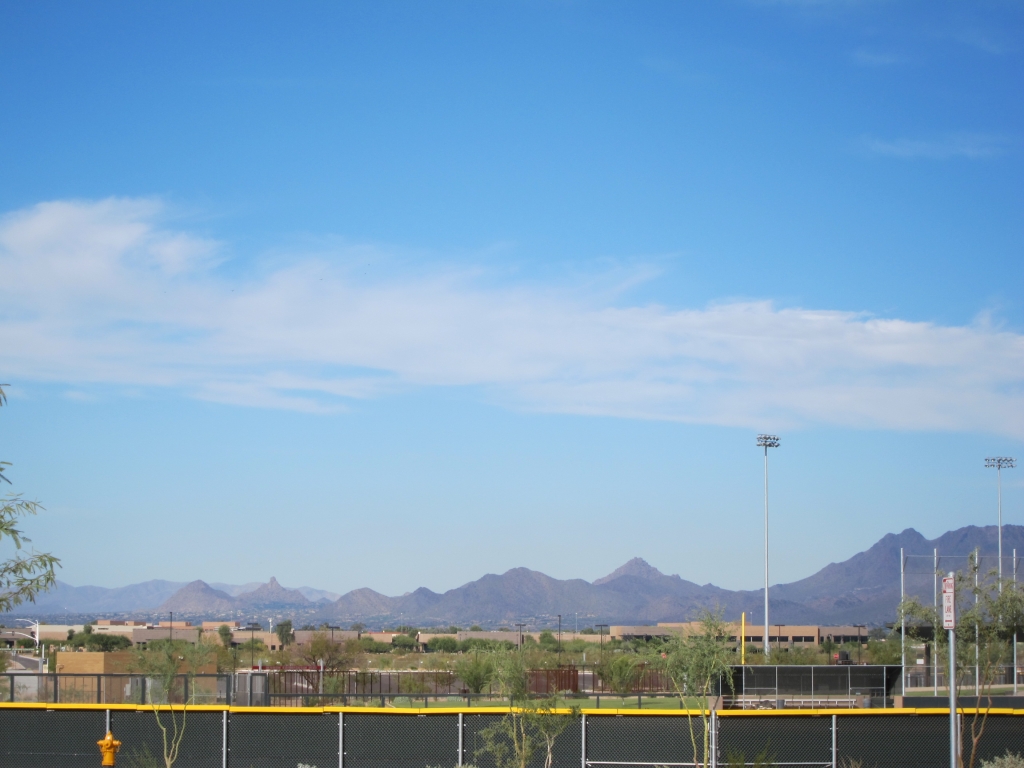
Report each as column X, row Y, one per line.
column 948, row 602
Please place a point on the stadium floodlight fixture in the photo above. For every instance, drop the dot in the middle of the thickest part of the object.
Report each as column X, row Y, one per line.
column 766, row 442
column 999, row 463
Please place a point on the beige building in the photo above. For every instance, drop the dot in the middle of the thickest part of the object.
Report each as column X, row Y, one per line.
column 780, row 635
column 93, row 663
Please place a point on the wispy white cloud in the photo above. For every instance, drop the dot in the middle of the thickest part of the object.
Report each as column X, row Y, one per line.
column 103, row 292
column 973, row 146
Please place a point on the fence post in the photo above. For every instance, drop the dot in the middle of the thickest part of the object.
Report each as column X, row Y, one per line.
column 224, row 739
column 341, row 740
column 835, row 722
column 583, row 729
column 10, row 678
column 99, row 690
column 714, row 740
column 461, row 731
column 108, row 721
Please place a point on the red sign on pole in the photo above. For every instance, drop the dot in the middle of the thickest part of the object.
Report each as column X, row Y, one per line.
column 948, row 602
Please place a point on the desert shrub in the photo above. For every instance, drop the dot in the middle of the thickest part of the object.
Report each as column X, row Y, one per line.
column 1009, row 760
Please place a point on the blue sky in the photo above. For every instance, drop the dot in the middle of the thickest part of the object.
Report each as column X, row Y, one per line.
column 395, row 295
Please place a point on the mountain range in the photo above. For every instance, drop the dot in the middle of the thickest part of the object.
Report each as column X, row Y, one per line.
column 864, row 589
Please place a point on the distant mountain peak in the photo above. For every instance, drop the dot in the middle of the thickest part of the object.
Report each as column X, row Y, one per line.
column 637, row 567
column 272, row 593
column 198, row 597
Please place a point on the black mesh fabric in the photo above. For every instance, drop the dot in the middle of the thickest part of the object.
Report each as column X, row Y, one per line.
column 566, row 752
column 1002, row 733
column 35, row 738
column 909, row 741
column 262, row 740
column 779, row 739
column 662, row 740
column 142, row 741
column 402, row 741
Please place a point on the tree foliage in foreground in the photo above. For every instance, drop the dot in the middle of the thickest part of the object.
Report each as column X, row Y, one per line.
column 698, row 664
column 531, row 726
column 28, row 573
column 172, row 665
column 990, row 617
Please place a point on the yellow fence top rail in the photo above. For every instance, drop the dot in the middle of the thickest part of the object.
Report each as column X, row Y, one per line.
column 502, row 710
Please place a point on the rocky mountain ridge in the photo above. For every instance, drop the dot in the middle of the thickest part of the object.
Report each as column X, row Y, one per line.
column 861, row 590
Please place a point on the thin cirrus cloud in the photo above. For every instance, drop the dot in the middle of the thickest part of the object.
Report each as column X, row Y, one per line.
column 971, row 146
column 106, row 292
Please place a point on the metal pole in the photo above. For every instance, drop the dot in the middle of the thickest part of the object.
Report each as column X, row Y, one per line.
column 977, row 660
column 714, row 739
column 834, row 743
column 903, row 626
column 1015, row 630
column 999, row 503
column 743, row 638
column 460, row 739
column 583, row 739
column 935, row 629
column 224, row 739
column 998, row 462
column 767, row 644
column 766, row 442
column 954, row 742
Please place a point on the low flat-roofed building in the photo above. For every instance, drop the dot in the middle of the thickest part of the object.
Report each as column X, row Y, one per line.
column 302, row 637
column 93, row 662
column 145, row 635
column 784, row 635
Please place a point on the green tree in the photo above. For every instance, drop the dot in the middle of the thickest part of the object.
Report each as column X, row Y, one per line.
column 444, row 644
column 225, row 635
column 475, row 671
column 621, row 672
column 284, row 632
column 697, row 664
column 330, row 656
column 990, row 617
column 172, row 665
column 25, row 575
column 530, row 726
column 105, row 643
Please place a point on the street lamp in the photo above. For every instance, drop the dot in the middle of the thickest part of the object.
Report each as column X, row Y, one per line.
column 34, row 637
column 766, row 442
column 600, row 632
column 999, row 463
column 559, row 638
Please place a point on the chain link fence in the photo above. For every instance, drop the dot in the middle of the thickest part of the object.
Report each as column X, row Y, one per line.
column 250, row 738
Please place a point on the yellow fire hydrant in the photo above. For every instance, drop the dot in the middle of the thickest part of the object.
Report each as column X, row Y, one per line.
column 108, row 748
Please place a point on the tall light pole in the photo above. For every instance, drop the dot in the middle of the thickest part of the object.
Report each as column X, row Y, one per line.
column 766, row 442
column 999, row 463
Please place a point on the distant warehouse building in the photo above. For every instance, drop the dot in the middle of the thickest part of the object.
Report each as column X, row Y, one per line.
column 780, row 635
